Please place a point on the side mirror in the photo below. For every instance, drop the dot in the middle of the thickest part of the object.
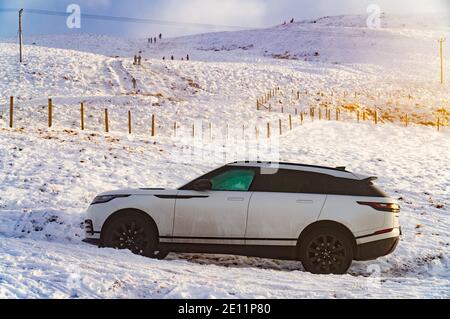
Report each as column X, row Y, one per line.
column 202, row 185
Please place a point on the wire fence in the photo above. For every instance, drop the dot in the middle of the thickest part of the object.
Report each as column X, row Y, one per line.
column 286, row 111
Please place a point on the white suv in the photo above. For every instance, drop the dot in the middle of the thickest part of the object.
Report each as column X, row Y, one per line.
column 324, row 217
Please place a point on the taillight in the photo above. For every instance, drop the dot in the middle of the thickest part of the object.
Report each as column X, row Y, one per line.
column 384, row 207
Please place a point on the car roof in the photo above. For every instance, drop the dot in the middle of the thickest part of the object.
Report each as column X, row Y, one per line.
column 336, row 171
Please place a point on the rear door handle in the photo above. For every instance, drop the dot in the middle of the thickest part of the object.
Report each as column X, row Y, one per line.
column 236, row 199
column 308, row 202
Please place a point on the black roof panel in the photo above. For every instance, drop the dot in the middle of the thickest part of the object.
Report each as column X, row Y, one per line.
column 340, row 169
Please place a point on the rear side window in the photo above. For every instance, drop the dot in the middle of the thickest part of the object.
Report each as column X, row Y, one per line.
column 291, row 181
column 234, row 180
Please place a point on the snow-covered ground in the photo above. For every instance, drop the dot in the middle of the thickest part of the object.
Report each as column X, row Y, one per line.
column 48, row 177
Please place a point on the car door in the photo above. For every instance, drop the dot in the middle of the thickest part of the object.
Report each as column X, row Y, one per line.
column 279, row 209
column 218, row 216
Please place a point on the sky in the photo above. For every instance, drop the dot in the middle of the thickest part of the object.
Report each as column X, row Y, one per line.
column 240, row 13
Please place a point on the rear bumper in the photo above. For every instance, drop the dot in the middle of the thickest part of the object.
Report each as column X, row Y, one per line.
column 376, row 249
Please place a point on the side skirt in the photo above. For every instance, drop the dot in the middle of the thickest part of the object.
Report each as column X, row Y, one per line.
column 275, row 252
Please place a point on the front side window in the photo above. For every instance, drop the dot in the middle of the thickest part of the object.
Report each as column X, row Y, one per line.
column 234, row 180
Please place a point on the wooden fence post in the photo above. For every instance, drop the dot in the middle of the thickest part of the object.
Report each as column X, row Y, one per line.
column 82, row 115
column 175, row 129
column 406, row 120
column 438, row 123
column 281, row 127
column 358, row 115
column 268, row 130
column 153, row 126
column 11, row 112
column 129, row 122
column 301, row 118
column 290, row 122
column 106, row 121
column 257, row 133
column 50, row 112
column 320, row 114
column 376, row 117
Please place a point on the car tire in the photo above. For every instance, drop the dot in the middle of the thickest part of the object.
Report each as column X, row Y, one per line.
column 326, row 250
column 132, row 232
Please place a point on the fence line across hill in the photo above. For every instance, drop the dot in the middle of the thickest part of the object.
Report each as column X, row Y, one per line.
column 268, row 103
column 177, row 128
column 293, row 119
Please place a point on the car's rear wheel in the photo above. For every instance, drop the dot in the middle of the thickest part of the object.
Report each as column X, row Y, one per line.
column 325, row 250
column 132, row 232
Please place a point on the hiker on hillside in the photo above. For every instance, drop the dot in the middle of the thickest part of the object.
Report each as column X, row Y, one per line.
column 139, row 58
column 134, row 83
column 160, row 36
column 135, row 60
column 187, row 57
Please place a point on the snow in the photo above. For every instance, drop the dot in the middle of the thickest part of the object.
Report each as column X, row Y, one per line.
column 48, row 177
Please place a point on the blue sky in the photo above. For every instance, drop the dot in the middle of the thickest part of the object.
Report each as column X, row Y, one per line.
column 251, row 13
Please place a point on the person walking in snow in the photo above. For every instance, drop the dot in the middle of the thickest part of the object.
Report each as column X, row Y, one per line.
column 160, row 36
column 134, row 83
column 139, row 59
column 164, row 58
column 292, row 21
column 187, row 57
column 154, row 40
column 135, row 59
column 172, row 58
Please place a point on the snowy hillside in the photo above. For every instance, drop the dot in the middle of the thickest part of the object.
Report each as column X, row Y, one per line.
column 48, row 177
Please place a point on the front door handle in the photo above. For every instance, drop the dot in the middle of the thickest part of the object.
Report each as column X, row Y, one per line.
column 236, row 199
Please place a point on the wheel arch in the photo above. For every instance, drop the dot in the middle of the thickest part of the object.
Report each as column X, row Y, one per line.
column 331, row 224
column 122, row 212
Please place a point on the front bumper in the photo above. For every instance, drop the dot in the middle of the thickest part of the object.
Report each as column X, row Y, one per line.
column 376, row 249
column 91, row 241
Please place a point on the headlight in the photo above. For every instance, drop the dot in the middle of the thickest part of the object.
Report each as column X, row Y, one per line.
column 107, row 198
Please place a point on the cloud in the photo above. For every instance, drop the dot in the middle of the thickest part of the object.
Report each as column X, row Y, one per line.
column 229, row 12
column 96, row 4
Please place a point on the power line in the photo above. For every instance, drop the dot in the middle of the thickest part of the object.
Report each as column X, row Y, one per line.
column 126, row 19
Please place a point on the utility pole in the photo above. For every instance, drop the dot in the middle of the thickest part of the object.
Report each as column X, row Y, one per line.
column 20, row 34
column 441, row 44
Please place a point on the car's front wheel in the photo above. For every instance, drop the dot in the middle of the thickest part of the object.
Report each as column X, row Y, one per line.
column 326, row 250
column 132, row 232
